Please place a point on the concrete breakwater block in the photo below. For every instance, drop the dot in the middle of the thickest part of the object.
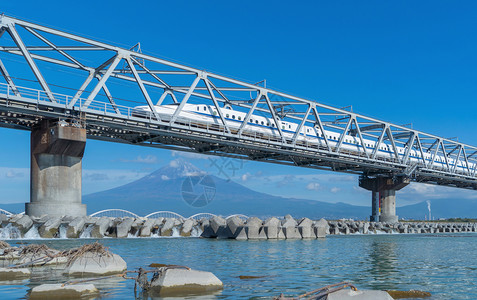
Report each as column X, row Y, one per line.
column 177, row 282
column 91, row 263
column 11, row 274
column 58, row 291
column 348, row 294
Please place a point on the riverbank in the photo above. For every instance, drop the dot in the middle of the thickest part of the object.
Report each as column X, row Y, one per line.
column 235, row 227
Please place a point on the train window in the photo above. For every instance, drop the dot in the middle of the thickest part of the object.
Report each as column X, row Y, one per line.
column 262, row 122
column 289, row 126
column 227, row 115
column 197, row 108
column 307, row 130
column 251, row 121
column 256, row 121
column 240, row 118
column 215, row 112
column 205, row 108
column 268, row 124
column 283, row 127
column 233, row 117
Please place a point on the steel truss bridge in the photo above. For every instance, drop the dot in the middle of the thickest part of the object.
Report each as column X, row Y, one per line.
column 52, row 74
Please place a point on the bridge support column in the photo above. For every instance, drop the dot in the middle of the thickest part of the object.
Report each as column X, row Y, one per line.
column 55, row 179
column 383, row 196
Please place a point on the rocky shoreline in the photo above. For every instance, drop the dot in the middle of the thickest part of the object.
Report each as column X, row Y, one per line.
column 22, row 226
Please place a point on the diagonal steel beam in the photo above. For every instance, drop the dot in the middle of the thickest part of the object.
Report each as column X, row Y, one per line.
column 184, row 100
column 322, row 129
column 466, row 160
column 9, row 80
column 363, row 144
column 100, row 84
column 275, row 117
column 457, row 160
column 62, row 52
column 216, row 104
column 143, row 89
column 445, row 154
column 423, row 157
column 83, row 87
column 303, row 121
column 408, row 148
column 378, row 143
column 109, row 96
column 393, row 144
column 18, row 41
column 149, row 72
column 344, row 133
column 162, row 98
column 433, row 159
column 249, row 113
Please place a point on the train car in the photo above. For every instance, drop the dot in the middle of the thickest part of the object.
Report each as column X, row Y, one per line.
column 201, row 114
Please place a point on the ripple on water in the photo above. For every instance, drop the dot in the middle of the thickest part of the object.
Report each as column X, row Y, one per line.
column 444, row 265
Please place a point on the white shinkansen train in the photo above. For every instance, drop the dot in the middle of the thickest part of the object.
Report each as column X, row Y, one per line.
column 208, row 115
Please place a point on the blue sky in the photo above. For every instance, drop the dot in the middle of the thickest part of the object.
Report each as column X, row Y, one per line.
column 403, row 62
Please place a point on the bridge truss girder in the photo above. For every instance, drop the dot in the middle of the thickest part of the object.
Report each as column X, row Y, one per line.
column 108, row 72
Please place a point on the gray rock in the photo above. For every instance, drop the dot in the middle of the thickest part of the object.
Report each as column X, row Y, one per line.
column 281, row 235
column 254, row 221
column 3, row 219
column 12, row 274
column 96, row 264
column 22, row 222
column 306, row 232
column 305, row 222
column 291, row 233
column 233, row 224
column 241, row 234
column 348, row 294
column 262, row 235
column 50, row 228
column 123, row 228
column 208, row 232
column 289, row 222
column 100, row 227
column 179, row 282
column 146, row 228
column 271, row 227
column 253, row 230
column 187, row 226
column 75, row 227
column 166, row 229
column 321, row 227
column 216, row 222
column 60, row 291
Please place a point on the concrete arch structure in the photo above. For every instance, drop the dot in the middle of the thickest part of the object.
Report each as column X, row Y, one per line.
column 243, row 217
column 5, row 212
column 165, row 214
column 115, row 213
column 202, row 215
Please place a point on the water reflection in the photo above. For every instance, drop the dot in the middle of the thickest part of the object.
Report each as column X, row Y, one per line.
column 383, row 262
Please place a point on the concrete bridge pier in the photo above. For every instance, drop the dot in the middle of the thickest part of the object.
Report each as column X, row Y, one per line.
column 57, row 149
column 383, row 196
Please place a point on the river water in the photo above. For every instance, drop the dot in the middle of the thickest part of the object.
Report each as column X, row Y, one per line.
column 443, row 264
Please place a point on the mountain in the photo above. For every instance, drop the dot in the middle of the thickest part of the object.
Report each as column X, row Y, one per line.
column 440, row 208
column 183, row 188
